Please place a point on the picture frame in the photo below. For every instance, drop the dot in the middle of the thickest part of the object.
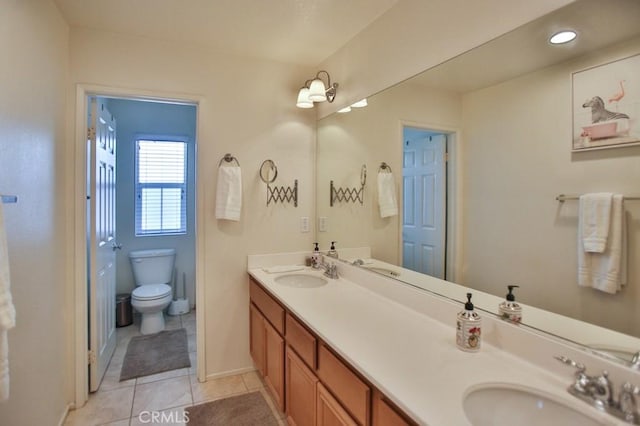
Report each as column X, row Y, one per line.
column 606, row 105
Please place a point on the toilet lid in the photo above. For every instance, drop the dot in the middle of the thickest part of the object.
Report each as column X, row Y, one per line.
column 151, row 291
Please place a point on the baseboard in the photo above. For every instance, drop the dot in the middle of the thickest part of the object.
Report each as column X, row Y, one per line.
column 65, row 413
column 230, row 373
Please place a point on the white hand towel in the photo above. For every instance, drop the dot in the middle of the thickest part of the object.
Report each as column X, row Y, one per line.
column 387, row 195
column 606, row 271
column 7, row 311
column 229, row 193
column 283, row 268
column 595, row 214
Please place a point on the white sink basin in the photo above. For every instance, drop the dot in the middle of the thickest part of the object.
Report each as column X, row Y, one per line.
column 503, row 404
column 300, row 280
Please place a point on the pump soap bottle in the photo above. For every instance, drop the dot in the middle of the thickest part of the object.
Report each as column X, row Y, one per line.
column 509, row 309
column 315, row 257
column 468, row 328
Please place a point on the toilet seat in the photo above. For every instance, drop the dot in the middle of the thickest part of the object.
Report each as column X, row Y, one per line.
column 151, row 292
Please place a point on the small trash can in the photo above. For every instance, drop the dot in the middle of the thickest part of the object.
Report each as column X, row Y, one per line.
column 124, row 311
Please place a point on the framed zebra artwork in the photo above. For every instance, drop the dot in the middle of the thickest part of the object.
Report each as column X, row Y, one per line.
column 606, row 105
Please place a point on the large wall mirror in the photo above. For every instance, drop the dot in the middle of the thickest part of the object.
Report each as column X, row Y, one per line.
column 489, row 135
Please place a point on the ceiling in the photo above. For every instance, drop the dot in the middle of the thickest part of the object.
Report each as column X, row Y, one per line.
column 303, row 32
column 526, row 49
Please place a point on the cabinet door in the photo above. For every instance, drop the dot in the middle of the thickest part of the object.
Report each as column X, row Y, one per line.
column 300, row 391
column 274, row 364
column 384, row 414
column 256, row 341
column 329, row 410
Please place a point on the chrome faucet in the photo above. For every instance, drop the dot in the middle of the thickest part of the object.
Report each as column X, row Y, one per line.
column 330, row 270
column 598, row 391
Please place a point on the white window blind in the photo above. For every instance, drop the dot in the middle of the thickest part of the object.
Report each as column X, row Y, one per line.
column 161, row 187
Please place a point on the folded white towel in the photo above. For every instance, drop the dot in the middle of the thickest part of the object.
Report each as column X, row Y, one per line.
column 4, row 366
column 7, row 310
column 595, row 213
column 387, row 195
column 229, row 193
column 606, row 271
column 283, row 268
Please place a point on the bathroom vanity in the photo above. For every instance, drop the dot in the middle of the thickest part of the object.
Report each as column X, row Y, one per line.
column 364, row 349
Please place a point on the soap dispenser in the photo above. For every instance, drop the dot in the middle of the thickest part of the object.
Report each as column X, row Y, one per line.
column 509, row 309
column 332, row 250
column 315, row 257
column 468, row 328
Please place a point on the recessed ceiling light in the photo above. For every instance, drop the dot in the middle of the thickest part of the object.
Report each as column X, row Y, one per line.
column 562, row 37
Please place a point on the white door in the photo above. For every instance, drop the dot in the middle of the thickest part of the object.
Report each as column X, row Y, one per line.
column 424, row 198
column 102, row 244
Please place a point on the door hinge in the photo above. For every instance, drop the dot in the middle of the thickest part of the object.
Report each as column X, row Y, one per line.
column 91, row 357
column 446, row 157
column 91, row 133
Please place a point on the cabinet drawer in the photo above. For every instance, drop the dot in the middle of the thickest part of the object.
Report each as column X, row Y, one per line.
column 271, row 310
column 385, row 414
column 347, row 387
column 302, row 341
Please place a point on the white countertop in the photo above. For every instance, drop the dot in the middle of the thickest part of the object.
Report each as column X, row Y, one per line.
column 409, row 356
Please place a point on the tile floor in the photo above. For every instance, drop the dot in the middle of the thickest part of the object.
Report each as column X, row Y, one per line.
column 134, row 402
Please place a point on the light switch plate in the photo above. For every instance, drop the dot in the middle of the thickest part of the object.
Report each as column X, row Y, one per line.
column 322, row 224
column 304, row 224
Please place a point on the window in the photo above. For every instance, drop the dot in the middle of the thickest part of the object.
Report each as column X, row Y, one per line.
column 161, row 187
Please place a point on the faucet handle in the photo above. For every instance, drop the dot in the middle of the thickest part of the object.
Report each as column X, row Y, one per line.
column 602, row 389
column 627, row 402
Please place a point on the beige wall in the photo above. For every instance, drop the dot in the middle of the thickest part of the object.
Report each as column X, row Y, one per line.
column 33, row 82
column 518, row 158
column 370, row 136
column 416, row 35
column 248, row 109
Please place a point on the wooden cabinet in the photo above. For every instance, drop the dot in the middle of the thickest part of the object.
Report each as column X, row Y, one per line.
column 257, row 336
column 353, row 393
column 274, row 365
column 266, row 341
column 300, row 385
column 308, row 381
column 302, row 341
column 385, row 414
column 329, row 410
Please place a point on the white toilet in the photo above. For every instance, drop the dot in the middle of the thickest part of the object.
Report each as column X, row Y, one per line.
column 152, row 271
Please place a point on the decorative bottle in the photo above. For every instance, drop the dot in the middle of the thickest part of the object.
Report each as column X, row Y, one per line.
column 315, row 257
column 468, row 328
column 509, row 309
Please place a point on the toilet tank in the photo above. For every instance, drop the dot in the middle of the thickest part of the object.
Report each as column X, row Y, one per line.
column 152, row 266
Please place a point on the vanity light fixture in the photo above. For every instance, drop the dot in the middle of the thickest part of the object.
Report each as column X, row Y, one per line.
column 562, row 37
column 360, row 104
column 315, row 90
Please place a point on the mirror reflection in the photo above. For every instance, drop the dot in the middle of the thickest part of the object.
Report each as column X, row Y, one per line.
column 479, row 149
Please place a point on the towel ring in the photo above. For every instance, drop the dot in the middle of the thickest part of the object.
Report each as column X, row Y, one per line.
column 363, row 175
column 228, row 158
column 263, row 171
column 384, row 167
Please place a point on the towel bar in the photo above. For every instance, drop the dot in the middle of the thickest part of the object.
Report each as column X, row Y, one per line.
column 228, row 158
column 562, row 198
